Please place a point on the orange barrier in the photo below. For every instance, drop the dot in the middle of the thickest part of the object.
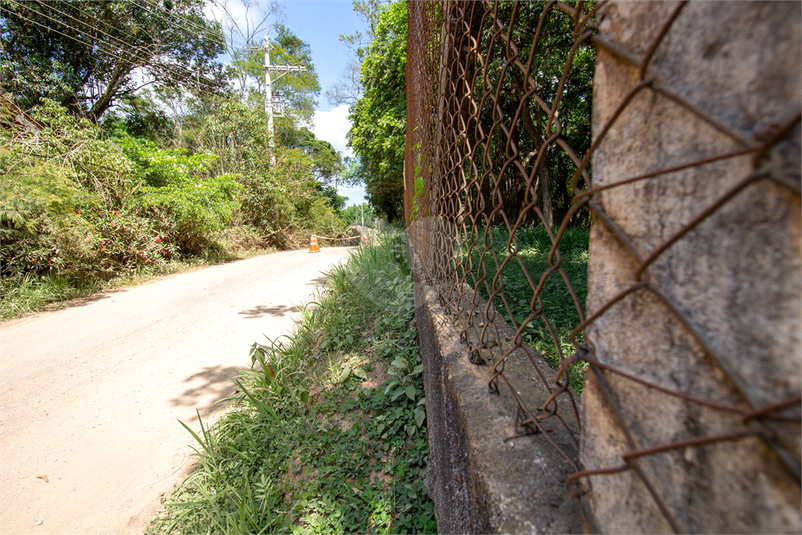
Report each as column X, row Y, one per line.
column 313, row 246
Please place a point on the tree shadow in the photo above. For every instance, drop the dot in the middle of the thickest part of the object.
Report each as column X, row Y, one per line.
column 82, row 301
column 208, row 388
column 320, row 281
column 261, row 310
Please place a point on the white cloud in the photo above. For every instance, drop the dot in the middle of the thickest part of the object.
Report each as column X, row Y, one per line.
column 332, row 126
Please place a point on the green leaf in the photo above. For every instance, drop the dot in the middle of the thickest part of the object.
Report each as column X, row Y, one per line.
column 410, row 391
column 420, row 415
column 359, row 372
column 345, row 373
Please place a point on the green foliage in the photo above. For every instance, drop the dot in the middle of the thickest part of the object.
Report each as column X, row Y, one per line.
column 299, row 89
column 356, row 212
column 31, row 293
column 530, row 129
column 140, row 116
column 532, row 247
column 281, row 187
column 319, row 441
column 84, row 54
column 323, row 219
column 178, row 184
column 379, row 117
column 43, row 189
column 78, row 147
column 328, row 162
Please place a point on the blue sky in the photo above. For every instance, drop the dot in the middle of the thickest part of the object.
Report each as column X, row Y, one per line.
column 320, row 23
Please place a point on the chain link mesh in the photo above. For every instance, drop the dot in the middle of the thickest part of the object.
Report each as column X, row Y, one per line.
column 498, row 146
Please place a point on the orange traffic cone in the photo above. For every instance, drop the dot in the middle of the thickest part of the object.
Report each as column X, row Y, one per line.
column 313, row 247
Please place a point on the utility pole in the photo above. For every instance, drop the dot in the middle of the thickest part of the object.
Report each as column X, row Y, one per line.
column 268, row 97
column 274, row 107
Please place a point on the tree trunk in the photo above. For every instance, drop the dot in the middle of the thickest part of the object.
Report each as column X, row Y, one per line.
column 536, row 133
column 106, row 99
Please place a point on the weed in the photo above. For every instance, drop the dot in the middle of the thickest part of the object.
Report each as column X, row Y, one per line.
column 532, row 247
column 311, row 446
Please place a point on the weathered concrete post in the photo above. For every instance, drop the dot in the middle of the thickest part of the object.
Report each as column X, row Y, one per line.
column 718, row 316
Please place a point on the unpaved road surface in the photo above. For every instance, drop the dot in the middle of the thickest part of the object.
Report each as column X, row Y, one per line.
column 91, row 396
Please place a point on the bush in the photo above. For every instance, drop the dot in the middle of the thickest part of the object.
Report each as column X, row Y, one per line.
column 177, row 186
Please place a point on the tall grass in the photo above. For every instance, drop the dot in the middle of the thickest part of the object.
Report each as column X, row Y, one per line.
column 327, row 431
column 28, row 294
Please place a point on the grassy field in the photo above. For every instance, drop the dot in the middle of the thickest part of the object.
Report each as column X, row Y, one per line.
column 327, row 432
column 533, row 246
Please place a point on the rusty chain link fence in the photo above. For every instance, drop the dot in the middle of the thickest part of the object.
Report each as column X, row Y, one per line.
column 522, row 169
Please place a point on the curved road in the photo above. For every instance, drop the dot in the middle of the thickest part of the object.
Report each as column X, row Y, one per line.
column 91, row 395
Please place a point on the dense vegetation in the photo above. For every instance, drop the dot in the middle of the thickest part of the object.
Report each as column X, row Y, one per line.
column 327, row 432
column 379, row 116
column 103, row 179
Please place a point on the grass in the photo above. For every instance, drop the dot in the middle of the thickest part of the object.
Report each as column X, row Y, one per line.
column 531, row 249
column 327, row 432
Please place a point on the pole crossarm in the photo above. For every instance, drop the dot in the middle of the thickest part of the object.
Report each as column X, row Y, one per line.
column 285, row 69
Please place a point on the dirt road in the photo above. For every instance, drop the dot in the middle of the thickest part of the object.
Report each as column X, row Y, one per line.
column 91, row 396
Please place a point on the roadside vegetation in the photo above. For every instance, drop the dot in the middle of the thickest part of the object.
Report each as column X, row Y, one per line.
column 327, row 431
column 88, row 206
column 100, row 190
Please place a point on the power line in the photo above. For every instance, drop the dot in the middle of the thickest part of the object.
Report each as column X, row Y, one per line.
column 195, row 24
column 183, row 76
column 188, row 23
column 85, row 23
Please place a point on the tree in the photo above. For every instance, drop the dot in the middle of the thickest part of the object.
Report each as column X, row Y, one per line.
column 530, row 132
column 348, row 88
column 243, row 35
column 378, row 118
column 298, row 90
column 328, row 162
column 87, row 55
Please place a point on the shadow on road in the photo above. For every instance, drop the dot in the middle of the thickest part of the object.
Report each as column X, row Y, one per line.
column 320, row 281
column 208, row 388
column 81, row 301
column 261, row 310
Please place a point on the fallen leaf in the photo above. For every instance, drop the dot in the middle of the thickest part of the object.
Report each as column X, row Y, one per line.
column 43, row 477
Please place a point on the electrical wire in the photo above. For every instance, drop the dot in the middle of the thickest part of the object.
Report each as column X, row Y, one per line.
column 181, row 72
column 195, row 24
column 126, row 44
column 204, row 31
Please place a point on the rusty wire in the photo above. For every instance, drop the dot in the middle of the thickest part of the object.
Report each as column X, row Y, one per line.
column 472, row 88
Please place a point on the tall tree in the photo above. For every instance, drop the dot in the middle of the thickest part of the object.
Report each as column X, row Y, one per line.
column 86, row 55
column 298, row 90
column 348, row 88
column 379, row 117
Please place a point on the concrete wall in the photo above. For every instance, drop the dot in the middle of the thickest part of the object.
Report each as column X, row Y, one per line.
column 479, row 482
column 735, row 278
